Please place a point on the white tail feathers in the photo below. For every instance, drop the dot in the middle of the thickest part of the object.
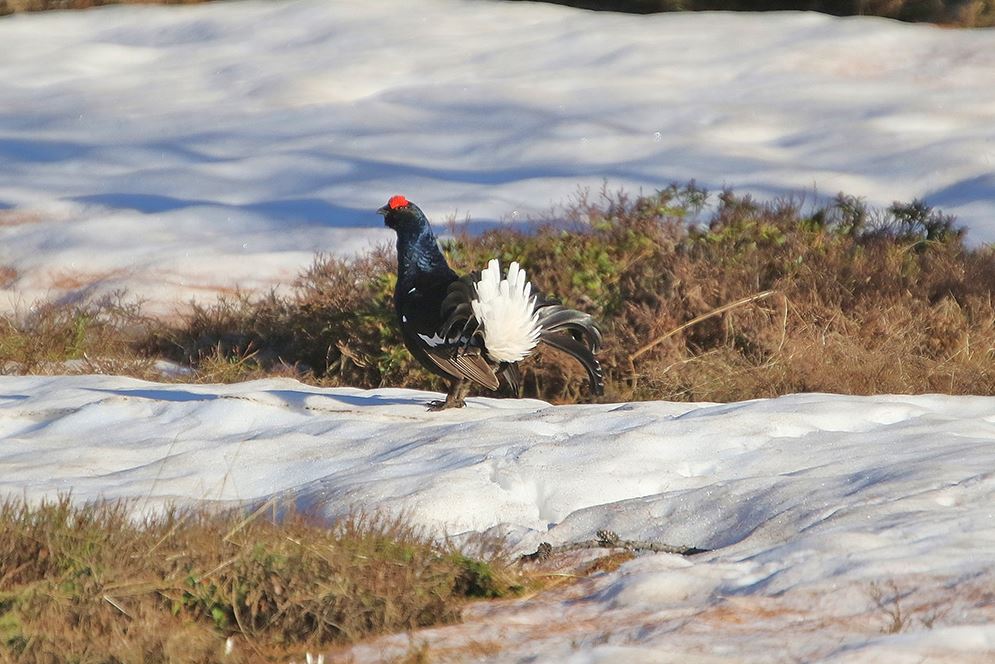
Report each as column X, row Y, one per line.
column 506, row 313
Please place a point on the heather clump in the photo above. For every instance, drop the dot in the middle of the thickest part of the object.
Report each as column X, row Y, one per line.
column 700, row 296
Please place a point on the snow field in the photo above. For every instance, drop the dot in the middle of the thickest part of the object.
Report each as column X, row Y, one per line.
column 808, row 502
column 181, row 152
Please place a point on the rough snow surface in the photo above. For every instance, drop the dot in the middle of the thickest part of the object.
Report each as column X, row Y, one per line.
column 820, row 510
column 179, row 152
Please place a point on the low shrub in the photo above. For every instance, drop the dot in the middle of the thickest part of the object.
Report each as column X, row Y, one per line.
column 700, row 297
column 966, row 13
column 860, row 301
column 89, row 336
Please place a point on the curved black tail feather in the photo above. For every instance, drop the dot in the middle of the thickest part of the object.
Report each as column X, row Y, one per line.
column 581, row 353
column 558, row 318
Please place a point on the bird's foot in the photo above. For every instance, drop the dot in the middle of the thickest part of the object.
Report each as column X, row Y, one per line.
column 454, row 398
column 443, row 405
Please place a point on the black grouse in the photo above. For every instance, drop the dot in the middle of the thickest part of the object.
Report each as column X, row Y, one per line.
column 478, row 327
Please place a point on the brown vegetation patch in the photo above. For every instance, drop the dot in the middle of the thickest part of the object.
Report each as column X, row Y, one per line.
column 97, row 336
column 472, row 650
column 966, row 13
column 960, row 13
column 12, row 6
column 749, row 611
column 752, row 300
column 748, row 300
column 72, row 280
column 90, row 584
column 18, row 217
column 8, row 276
column 608, row 563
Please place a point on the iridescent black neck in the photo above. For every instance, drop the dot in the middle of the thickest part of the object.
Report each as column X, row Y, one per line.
column 419, row 259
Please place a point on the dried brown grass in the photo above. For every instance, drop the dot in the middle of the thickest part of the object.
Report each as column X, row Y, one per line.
column 8, row 276
column 13, row 6
column 954, row 13
column 96, row 336
column 961, row 13
column 90, row 584
column 706, row 298
column 749, row 300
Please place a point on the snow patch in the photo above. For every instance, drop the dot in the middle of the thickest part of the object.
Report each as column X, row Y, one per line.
column 181, row 152
column 805, row 501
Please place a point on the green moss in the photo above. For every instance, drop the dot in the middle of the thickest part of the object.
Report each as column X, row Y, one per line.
column 11, row 630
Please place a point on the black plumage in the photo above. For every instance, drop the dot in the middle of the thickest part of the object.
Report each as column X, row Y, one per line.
column 435, row 309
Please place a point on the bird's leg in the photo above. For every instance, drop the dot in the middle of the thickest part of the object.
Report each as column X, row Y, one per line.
column 455, row 399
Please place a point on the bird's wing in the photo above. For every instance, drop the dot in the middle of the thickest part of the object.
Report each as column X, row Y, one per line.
column 462, row 350
column 457, row 312
column 445, row 334
column 464, row 362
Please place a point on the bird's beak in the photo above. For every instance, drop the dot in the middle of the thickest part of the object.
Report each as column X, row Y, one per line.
column 383, row 211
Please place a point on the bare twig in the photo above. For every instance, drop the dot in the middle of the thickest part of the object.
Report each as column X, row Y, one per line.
column 607, row 539
column 110, row 600
column 694, row 321
column 244, row 522
column 889, row 602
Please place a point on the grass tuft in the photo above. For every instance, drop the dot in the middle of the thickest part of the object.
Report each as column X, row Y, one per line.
column 91, row 584
column 76, row 337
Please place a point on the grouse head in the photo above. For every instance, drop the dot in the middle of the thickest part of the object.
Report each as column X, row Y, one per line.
column 403, row 216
